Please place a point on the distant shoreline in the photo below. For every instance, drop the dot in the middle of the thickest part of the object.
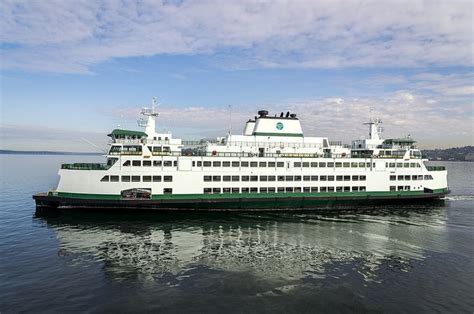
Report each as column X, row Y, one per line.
column 33, row 152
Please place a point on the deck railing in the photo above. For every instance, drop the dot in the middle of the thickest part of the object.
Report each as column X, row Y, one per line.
column 85, row 166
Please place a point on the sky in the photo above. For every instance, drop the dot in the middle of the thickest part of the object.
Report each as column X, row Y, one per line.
column 71, row 71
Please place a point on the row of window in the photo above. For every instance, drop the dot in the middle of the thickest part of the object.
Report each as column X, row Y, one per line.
column 313, row 189
column 281, row 178
column 265, row 164
column 399, row 188
column 149, row 163
column 411, row 178
column 136, row 179
column 402, row 165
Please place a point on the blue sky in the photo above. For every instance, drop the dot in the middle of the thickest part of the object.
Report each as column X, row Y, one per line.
column 72, row 71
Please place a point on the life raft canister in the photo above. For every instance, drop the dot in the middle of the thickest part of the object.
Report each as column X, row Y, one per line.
column 214, row 153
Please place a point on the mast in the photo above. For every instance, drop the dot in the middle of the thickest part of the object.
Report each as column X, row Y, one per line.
column 149, row 123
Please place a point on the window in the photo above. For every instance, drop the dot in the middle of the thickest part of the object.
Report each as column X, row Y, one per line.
column 226, row 178
column 330, row 189
column 146, row 179
column 136, row 163
column 199, row 163
column 175, row 163
column 322, row 165
column 306, row 189
column 355, row 189
column 400, row 177
column 167, row 163
column 347, row 189
column 167, row 179
column 263, row 190
column 305, row 164
column 104, row 179
column 338, row 164
column 289, row 189
column 216, row 178
column 330, row 178
column 323, row 189
column 406, row 165
column 216, row 163
column 297, row 189
column 245, row 190
column 156, row 163
column 235, row 190
column 414, row 178
column 253, row 164
column 353, row 165
column 126, row 163
column 281, row 189
column 271, row 178
column 207, row 178
column 281, row 178
column 262, row 164
column 314, row 178
column 297, row 178
column 253, row 178
column 338, row 178
column 207, row 164
column 407, row 188
column 263, row 178
column 147, row 163
column 226, row 190
column 361, row 164
column 306, row 178
column 226, row 164
column 135, row 178
column 167, row 191
column 330, row 165
column 235, row 164
column 271, row 190
column 362, row 178
column 244, row 164
column 280, row 164
column 207, row 190
column 253, row 190
column 362, row 188
column 407, row 178
column 314, row 165
column 216, row 190
column 393, row 178
column 245, row 178
column 125, row 178
column 297, row 164
column 271, row 164
column 289, row 178
column 323, row 178
column 156, row 178
column 347, row 178
column 400, row 188
column 339, row 189
column 393, row 188
column 235, row 178
column 314, row 189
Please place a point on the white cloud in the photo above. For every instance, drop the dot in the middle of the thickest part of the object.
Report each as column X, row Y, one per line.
column 72, row 36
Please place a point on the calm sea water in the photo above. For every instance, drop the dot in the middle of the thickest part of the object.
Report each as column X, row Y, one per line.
column 391, row 259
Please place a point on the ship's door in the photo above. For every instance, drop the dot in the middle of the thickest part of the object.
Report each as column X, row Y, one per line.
column 261, row 152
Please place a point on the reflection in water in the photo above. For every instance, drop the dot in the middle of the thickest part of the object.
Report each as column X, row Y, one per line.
column 276, row 246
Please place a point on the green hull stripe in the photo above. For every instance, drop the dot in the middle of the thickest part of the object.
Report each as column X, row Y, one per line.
column 339, row 195
column 278, row 134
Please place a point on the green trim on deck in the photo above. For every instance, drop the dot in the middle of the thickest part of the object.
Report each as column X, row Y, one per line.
column 121, row 132
column 338, row 195
column 278, row 134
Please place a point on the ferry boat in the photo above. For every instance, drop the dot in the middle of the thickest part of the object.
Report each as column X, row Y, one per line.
column 270, row 166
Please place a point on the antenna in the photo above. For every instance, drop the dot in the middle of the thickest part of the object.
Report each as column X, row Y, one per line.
column 230, row 119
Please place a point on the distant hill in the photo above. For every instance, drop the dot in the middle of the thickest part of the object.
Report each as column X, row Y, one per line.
column 465, row 153
column 33, row 152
